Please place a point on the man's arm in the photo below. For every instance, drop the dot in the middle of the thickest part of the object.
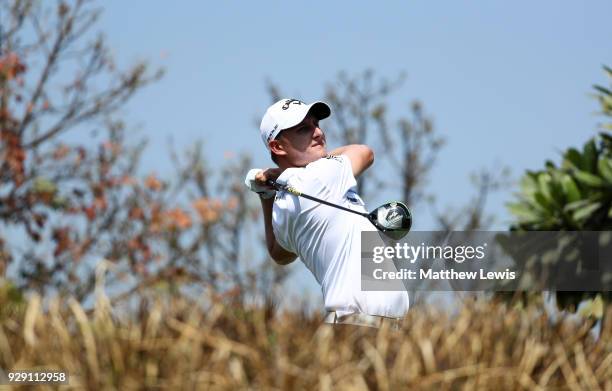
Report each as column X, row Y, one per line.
column 277, row 252
column 361, row 156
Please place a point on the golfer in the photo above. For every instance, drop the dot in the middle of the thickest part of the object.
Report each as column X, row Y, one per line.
column 326, row 239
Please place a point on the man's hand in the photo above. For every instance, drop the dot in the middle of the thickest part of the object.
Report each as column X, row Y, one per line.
column 256, row 180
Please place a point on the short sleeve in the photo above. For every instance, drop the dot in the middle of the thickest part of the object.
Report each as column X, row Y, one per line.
column 335, row 173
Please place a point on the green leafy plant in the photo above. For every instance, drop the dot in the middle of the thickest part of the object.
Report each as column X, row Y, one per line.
column 575, row 195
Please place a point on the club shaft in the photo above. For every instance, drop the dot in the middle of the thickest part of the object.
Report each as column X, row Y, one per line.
column 291, row 190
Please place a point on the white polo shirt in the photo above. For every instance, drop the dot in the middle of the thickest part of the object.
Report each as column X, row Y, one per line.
column 328, row 240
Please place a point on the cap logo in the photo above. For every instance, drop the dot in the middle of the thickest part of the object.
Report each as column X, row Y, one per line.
column 291, row 101
column 272, row 132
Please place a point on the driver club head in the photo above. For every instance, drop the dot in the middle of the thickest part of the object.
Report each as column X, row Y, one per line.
column 393, row 219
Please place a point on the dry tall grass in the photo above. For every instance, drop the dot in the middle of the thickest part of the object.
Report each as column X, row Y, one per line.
column 179, row 344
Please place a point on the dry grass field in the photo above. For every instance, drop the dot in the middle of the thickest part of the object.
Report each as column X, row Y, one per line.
column 179, row 344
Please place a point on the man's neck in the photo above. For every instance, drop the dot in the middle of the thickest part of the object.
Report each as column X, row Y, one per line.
column 284, row 164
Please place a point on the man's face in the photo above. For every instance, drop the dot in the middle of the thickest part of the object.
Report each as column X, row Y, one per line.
column 301, row 144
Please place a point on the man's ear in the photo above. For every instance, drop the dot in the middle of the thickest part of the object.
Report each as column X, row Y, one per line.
column 277, row 147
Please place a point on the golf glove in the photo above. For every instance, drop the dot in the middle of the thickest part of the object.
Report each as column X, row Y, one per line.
column 250, row 182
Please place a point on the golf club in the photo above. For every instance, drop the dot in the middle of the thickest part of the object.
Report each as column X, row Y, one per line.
column 393, row 218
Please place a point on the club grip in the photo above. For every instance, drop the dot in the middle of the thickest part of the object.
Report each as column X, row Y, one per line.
column 279, row 187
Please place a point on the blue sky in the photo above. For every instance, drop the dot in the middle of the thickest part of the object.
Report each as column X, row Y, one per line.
column 507, row 83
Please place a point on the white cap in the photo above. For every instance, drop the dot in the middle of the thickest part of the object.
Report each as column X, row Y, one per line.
column 287, row 113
